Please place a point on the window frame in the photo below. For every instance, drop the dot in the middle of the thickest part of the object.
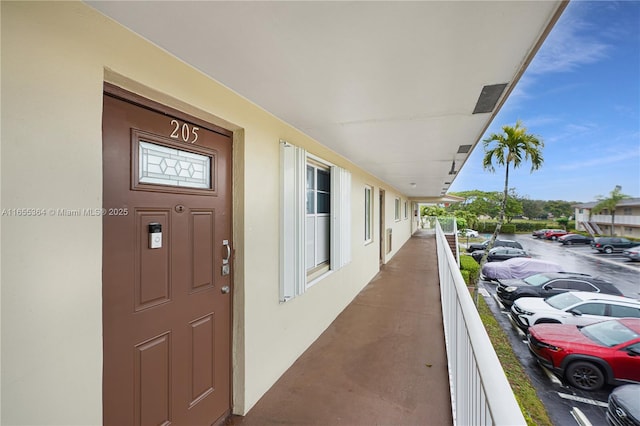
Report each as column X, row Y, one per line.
column 368, row 214
column 319, row 268
column 294, row 277
column 397, row 209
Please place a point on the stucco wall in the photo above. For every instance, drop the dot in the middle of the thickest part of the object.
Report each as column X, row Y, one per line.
column 55, row 58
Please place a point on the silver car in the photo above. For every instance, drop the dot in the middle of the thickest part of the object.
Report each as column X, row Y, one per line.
column 632, row 253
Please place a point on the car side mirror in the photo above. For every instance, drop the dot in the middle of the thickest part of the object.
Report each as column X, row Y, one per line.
column 633, row 352
column 575, row 312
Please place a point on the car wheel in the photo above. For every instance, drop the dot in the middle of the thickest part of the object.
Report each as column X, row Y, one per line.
column 585, row 375
column 553, row 237
column 608, row 250
column 568, row 243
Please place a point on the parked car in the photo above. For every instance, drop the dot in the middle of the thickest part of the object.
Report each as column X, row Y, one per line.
column 539, row 233
column 468, row 233
column 498, row 254
column 624, row 406
column 550, row 283
column 611, row 244
column 632, row 253
column 498, row 243
column 518, row 267
column 589, row 356
column 553, row 234
column 571, row 239
column 572, row 307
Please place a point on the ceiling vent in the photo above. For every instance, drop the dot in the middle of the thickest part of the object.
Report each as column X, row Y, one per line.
column 463, row 149
column 489, row 98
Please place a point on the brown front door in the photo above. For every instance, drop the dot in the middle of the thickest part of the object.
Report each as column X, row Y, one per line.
column 166, row 287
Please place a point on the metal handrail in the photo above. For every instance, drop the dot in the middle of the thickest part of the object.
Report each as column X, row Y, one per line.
column 480, row 392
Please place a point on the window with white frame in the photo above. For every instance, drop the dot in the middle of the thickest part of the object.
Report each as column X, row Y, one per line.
column 406, row 210
column 318, row 201
column 368, row 214
column 397, row 215
column 315, row 219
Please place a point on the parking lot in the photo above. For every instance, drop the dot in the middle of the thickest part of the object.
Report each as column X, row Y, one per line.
column 566, row 405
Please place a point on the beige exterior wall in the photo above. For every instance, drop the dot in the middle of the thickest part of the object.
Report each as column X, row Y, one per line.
column 55, row 58
column 626, row 221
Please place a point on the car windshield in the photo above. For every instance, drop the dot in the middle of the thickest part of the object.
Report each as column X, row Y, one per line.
column 562, row 300
column 609, row 333
column 537, row 279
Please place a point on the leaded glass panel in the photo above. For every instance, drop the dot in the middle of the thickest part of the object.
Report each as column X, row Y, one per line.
column 162, row 165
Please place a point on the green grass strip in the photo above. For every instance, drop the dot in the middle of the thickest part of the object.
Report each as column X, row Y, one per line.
column 532, row 408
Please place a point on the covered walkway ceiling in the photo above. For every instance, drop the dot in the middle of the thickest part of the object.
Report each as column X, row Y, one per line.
column 395, row 87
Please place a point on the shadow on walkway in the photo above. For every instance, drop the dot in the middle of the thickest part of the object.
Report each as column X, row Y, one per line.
column 381, row 362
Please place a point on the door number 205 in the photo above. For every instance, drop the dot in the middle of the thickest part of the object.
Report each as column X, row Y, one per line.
column 184, row 132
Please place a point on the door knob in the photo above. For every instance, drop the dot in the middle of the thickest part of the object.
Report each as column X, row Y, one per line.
column 225, row 289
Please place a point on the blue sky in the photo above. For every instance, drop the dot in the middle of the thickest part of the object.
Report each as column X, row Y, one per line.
column 581, row 95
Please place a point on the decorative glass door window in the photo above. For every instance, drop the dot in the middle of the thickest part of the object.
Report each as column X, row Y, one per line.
column 162, row 165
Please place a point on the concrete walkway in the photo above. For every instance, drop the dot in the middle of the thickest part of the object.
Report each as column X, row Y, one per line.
column 381, row 362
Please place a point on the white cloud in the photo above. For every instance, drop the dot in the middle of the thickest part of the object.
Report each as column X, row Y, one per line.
column 598, row 161
column 571, row 44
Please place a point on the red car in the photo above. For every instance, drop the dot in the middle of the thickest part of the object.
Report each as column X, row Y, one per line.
column 553, row 234
column 590, row 356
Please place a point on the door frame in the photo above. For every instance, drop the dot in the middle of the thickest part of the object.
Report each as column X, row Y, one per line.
column 139, row 100
column 381, row 226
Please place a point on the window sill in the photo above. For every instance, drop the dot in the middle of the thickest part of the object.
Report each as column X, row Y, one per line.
column 319, row 278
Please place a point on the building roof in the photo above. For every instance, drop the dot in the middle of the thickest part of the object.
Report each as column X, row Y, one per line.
column 627, row 202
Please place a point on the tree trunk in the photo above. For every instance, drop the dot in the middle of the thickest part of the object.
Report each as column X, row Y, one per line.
column 613, row 221
column 503, row 208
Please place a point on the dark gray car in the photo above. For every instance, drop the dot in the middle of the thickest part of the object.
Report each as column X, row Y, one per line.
column 550, row 283
column 611, row 244
column 624, row 406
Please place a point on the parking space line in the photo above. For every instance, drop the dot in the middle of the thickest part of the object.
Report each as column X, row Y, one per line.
column 518, row 330
column 609, row 260
column 580, row 417
column 554, row 379
column 495, row 297
column 582, row 399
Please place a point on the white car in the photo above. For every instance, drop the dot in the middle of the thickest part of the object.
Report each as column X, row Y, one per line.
column 468, row 233
column 572, row 307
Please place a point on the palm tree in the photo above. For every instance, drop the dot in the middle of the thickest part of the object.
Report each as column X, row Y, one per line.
column 610, row 204
column 511, row 147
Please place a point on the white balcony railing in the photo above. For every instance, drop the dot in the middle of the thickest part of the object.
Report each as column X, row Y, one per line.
column 620, row 220
column 480, row 392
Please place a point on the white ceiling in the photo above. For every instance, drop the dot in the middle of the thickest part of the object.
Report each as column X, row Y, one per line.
column 389, row 85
